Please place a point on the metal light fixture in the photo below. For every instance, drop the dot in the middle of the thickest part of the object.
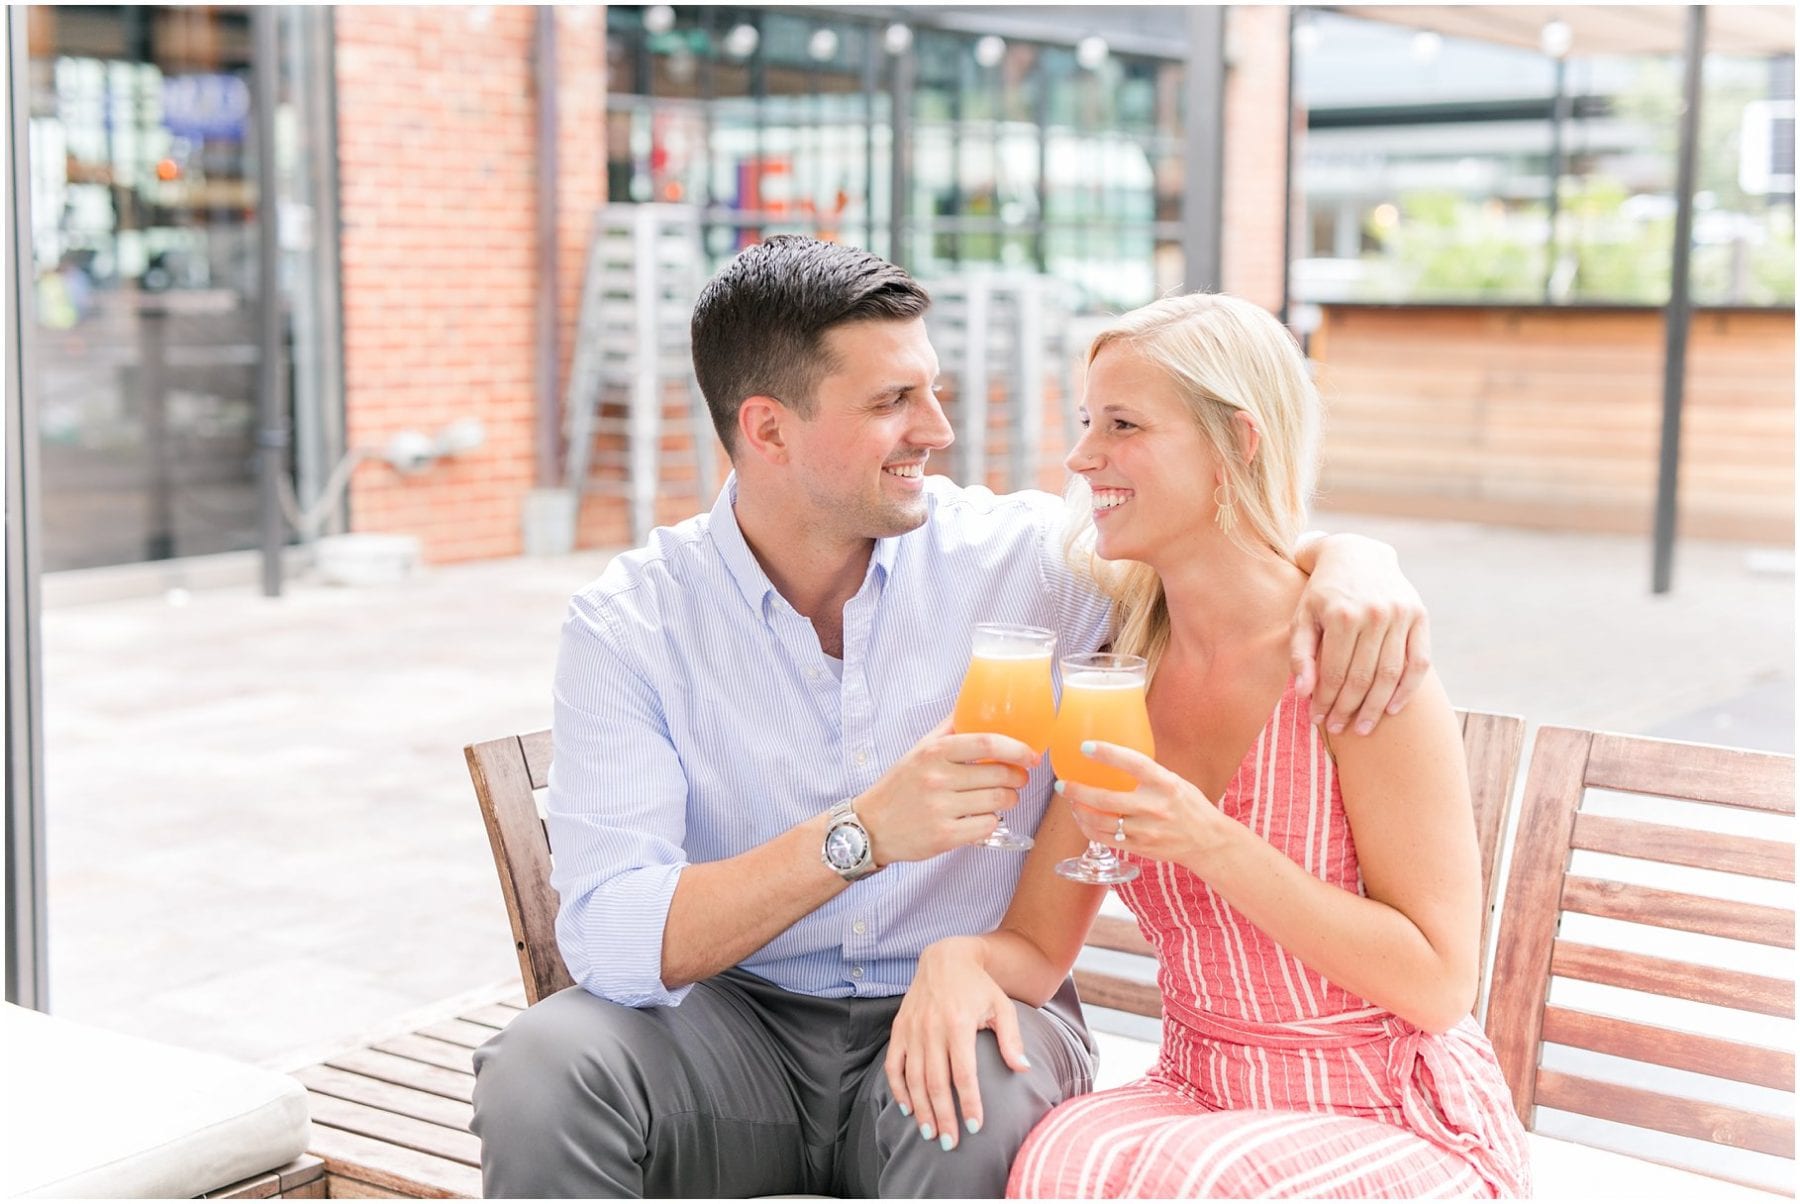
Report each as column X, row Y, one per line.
column 1306, row 34
column 1556, row 38
column 1091, row 51
column 741, row 42
column 990, row 50
column 407, row 452
column 411, row 452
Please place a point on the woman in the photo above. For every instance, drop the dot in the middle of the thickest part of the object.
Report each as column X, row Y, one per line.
column 1314, row 897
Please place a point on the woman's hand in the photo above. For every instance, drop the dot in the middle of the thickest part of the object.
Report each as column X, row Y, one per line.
column 932, row 1046
column 1166, row 818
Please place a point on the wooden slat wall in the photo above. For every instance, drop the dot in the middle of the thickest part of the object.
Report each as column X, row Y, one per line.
column 1552, row 417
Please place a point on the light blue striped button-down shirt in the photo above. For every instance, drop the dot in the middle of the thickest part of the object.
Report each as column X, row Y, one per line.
column 696, row 717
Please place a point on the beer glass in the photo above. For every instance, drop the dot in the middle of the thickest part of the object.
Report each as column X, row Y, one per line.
column 1007, row 689
column 1102, row 699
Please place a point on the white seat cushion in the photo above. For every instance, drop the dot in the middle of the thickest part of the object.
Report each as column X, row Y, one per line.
column 100, row 1114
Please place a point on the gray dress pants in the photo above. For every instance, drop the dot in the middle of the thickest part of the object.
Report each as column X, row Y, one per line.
column 745, row 1090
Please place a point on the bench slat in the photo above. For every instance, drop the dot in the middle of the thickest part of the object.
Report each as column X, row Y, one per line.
column 1112, row 991
column 1733, row 777
column 1120, row 935
column 420, row 1105
column 342, row 1187
column 1680, row 980
column 1678, row 910
column 1671, row 845
column 407, row 1072
column 408, row 1172
column 459, row 1032
column 494, row 1015
column 1702, row 1121
column 1738, row 1061
column 458, row 1145
column 431, row 1051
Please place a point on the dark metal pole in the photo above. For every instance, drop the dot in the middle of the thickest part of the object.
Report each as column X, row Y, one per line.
column 1676, row 322
column 272, row 424
column 906, row 65
column 548, row 353
column 1203, row 197
column 1558, row 111
column 27, row 954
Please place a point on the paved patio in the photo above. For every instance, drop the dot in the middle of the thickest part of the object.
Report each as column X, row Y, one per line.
column 262, row 839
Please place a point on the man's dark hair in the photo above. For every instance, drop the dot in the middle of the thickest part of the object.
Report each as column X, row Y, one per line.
column 759, row 324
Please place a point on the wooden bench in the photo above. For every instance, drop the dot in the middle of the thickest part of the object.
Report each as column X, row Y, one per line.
column 393, row 1119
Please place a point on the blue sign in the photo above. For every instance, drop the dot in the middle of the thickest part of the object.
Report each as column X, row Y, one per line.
column 206, row 106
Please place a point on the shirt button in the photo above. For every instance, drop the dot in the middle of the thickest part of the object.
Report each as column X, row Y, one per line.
column 812, row 675
column 859, row 927
column 855, row 971
column 861, row 757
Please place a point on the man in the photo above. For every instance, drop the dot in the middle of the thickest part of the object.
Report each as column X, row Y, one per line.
column 759, row 812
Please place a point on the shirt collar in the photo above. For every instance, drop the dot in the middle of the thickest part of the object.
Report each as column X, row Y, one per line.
column 747, row 572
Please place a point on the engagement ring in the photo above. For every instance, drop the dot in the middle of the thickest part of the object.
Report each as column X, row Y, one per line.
column 1119, row 832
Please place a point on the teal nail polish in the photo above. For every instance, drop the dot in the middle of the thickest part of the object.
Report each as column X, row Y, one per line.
column 905, row 1110
column 1087, row 748
column 927, row 1132
column 974, row 1126
column 947, row 1143
column 1058, row 787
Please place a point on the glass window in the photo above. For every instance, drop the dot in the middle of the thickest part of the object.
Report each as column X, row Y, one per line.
column 790, row 129
column 1438, row 178
column 144, row 236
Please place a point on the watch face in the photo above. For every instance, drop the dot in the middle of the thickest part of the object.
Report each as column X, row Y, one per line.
column 845, row 846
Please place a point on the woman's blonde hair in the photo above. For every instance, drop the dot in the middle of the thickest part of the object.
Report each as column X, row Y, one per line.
column 1224, row 354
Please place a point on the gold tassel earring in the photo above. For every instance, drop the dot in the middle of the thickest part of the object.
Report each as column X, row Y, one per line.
column 1225, row 515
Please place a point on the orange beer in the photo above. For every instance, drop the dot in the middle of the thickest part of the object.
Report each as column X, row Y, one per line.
column 1008, row 690
column 1010, row 695
column 1102, row 699
column 1100, row 704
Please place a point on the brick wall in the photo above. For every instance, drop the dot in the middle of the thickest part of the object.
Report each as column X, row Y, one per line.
column 436, row 146
column 1256, row 130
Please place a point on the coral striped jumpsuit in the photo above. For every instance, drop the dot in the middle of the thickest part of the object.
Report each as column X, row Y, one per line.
column 1273, row 1081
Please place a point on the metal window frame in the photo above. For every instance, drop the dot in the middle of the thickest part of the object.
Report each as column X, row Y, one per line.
column 27, row 960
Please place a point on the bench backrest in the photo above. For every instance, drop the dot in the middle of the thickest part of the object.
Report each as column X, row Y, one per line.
column 508, row 771
column 1641, row 908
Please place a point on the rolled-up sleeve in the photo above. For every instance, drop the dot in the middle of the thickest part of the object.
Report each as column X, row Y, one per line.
column 616, row 814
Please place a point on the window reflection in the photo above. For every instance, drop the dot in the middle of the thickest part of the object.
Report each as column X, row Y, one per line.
column 1020, row 157
column 144, row 238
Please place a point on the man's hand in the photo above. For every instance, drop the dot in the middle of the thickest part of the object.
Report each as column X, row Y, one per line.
column 943, row 794
column 1362, row 639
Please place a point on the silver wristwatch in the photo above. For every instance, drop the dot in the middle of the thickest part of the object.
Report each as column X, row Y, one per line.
column 847, row 848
